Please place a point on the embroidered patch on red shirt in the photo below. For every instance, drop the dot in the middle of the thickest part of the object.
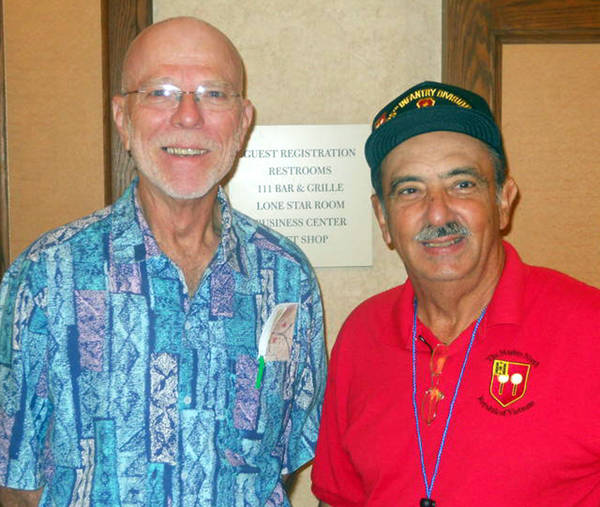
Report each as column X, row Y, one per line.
column 509, row 381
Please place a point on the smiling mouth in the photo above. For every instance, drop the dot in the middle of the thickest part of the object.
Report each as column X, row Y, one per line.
column 443, row 244
column 184, row 152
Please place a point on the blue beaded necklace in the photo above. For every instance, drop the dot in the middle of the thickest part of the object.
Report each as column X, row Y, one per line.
column 428, row 502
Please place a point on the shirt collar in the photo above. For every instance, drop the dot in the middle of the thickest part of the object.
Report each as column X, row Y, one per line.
column 133, row 241
column 127, row 233
column 231, row 250
column 506, row 306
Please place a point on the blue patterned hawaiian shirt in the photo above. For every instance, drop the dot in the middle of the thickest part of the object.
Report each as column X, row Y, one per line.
column 118, row 389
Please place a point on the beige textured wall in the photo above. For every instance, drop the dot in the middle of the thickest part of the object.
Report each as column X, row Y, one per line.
column 53, row 59
column 329, row 62
column 553, row 88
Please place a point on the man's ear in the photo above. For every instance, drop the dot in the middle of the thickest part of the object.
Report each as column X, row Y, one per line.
column 507, row 198
column 381, row 220
column 120, row 118
column 246, row 122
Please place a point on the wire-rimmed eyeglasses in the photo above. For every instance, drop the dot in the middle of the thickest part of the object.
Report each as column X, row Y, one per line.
column 210, row 96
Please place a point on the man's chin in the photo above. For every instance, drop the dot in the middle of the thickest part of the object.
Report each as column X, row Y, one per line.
column 177, row 190
column 441, row 273
column 184, row 195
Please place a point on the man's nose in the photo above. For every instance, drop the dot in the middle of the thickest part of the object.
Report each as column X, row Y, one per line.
column 439, row 210
column 188, row 112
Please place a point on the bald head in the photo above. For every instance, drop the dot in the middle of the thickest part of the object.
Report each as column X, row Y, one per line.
column 182, row 149
column 181, row 42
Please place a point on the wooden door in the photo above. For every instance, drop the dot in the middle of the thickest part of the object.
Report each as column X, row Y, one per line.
column 538, row 63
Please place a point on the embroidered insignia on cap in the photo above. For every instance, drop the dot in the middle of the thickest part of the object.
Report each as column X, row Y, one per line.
column 380, row 121
column 427, row 102
column 509, row 381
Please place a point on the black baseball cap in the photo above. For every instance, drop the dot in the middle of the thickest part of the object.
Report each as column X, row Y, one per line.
column 430, row 107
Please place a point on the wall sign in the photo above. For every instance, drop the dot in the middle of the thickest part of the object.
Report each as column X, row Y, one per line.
column 312, row 184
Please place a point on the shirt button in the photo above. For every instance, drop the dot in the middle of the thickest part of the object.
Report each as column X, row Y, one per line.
column 187, row 400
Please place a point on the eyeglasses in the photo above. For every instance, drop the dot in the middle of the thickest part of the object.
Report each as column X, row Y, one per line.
column 433, row 395
column 211, row 96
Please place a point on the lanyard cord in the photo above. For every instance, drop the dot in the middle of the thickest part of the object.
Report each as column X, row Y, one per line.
column 429, row 487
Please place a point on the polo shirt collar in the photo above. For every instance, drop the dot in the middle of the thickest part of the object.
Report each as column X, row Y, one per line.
column 506, row 306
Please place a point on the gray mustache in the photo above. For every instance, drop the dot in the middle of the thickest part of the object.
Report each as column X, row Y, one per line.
column 430, row 232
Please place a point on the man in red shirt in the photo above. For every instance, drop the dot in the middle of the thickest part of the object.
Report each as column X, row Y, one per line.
column 474, row 382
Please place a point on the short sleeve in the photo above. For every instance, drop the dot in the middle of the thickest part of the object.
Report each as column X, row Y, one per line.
column 303, row 426
column 24, row 406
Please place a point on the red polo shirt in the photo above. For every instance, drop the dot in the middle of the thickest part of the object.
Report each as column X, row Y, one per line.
column 524, row 430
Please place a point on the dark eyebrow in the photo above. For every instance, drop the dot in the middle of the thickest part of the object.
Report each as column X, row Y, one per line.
column 401, row 180
column 469, row 171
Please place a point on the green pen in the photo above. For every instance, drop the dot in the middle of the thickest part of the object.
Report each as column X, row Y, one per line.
column 261, row 370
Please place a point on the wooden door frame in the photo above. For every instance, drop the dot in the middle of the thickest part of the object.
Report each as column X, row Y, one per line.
column 474, row 31
column 123, row 20
column 4, row 253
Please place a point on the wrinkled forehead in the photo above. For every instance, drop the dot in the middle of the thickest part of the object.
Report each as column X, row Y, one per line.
column 180, row 47
column 440, row 152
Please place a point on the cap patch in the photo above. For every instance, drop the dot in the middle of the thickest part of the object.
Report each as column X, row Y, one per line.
column 425, row 97
column 426, row 102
